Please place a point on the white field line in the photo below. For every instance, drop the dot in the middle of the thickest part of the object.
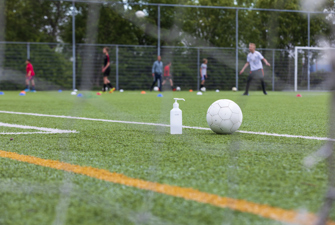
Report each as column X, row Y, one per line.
column 17, row 133
column 287, row 135
column 166, row 125
column 41, row 130
column 271, row 134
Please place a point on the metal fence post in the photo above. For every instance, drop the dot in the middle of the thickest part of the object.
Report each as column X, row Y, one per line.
column 73, row 46
column 159, row 31
column 117, row 67
column 236, row 63
column 198, row 65
column 28, row 50
column 273, row 70
column 295, row 69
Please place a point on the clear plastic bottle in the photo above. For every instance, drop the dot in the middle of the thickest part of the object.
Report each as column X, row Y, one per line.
column 176, row 118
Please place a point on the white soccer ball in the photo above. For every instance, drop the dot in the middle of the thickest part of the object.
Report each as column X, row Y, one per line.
column 121, row 90
column 217, row 91
column 140, row 14
column 156, row 89
column 199, row 93
column 178, row 88
column 75, row 90
column 234, row 89
column 203, row 89
column 224, row 117
column 73, row 93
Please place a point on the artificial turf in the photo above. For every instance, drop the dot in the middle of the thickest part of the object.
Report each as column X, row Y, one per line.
column 261, row 169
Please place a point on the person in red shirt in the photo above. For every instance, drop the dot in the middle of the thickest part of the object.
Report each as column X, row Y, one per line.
column 30, row 76
column 167, row 75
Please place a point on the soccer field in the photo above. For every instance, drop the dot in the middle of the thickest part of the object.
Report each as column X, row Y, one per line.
column 93, row 166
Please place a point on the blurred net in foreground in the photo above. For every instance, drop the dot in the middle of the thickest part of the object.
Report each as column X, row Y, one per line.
column 313, row 68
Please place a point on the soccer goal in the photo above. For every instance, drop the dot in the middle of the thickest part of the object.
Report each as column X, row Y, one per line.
column 312, row 68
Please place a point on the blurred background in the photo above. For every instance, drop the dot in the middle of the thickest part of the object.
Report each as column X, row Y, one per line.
column 54, row 33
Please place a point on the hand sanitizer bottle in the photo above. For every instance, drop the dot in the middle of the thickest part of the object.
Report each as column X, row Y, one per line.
column 176, row 118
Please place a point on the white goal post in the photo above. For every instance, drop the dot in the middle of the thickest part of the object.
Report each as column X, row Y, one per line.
column 296, row 51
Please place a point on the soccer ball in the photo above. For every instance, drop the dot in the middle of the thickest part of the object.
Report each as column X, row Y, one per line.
column 121, row 90
column 224, row 117
column 156, row 89
column 140, row 14
column 178, row 88
column 203, row 89
column 217, row 91
column 234, row 89
column 199, row 93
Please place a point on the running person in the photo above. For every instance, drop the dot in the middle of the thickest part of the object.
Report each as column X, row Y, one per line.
column 157, row 70
column 106, row 71
column 30, row 76
column 255, row 59
column 203, row 72
column 167, row 75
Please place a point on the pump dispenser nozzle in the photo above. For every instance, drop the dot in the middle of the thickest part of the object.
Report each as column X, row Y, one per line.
column 176, row 104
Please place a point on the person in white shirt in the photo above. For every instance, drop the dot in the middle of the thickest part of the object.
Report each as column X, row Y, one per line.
column 255, row 59
column 203, row 72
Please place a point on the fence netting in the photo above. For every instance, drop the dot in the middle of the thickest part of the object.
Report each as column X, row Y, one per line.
column 52, row 64
column 314, row 69
column 131, row 67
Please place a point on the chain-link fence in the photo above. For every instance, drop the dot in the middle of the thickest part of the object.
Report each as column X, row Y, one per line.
column 131, row 67
column 51, row 61
column 314, row 69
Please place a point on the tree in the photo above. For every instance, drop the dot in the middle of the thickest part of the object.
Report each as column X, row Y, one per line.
column 281, row 29
column 34, row 21
column 117, row 25
column 210, row 27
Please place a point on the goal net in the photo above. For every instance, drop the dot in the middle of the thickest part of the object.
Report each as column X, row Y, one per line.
column 313, row 69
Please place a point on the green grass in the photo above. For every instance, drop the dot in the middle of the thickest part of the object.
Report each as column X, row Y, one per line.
column 261, row 169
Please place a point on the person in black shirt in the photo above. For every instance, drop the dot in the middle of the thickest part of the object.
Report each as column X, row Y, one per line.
column 106, row 71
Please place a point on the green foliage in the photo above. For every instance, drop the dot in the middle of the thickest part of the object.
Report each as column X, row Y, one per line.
column 51, row 64
column 29, row 20
column 280, row 29
column 34, row 21
column 115, row 26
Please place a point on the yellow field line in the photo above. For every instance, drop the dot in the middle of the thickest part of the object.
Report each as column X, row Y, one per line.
column 266, row 211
